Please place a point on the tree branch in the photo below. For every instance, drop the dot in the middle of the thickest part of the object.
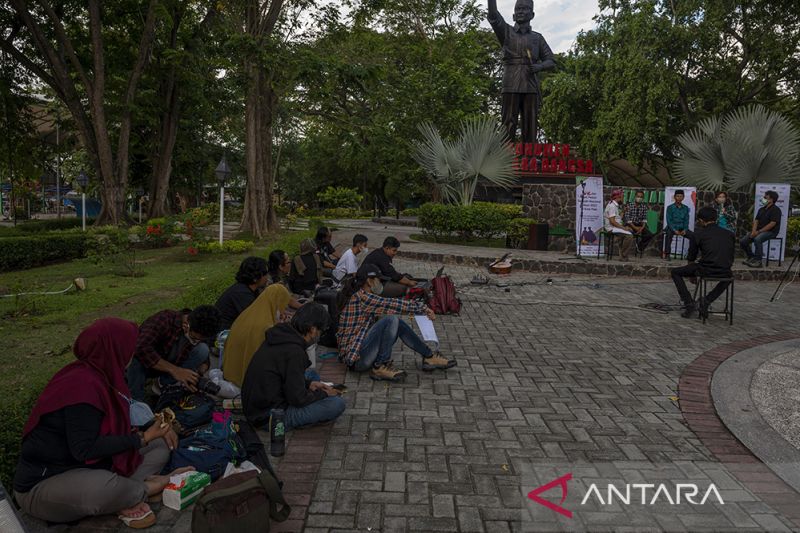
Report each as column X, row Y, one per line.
column 67, row 44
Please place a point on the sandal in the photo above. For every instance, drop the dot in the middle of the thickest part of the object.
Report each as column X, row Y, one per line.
column 142, row 522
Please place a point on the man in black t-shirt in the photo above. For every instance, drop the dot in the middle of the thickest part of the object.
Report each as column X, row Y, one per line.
column 250, row 281
column 766, row 226
column 327, row 252
column 398, row 283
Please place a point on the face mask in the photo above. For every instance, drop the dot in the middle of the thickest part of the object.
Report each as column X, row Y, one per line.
column 365, row 250
column 140, row 412
column 639, row 200
column 192, row 341
column 763, row 201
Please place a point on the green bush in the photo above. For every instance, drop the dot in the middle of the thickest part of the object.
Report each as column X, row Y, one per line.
column 793, row 231
column 410, row 212
column 518, row 230
column 227, row 247
column 315, row 223
column 481, row 219
column 25, row 252
column 334, row 197
column 53, row 224
column 341, row 212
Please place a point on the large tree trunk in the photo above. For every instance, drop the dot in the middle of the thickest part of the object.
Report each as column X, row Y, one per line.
column 259, row 214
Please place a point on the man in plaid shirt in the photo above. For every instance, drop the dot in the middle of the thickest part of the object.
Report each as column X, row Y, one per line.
column 366, row 344
column 635, row 219
column 171, row 346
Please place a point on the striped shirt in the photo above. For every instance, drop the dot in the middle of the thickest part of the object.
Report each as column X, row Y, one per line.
column 359, row 315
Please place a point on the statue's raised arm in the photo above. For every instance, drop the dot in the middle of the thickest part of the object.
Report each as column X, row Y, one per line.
column 525, row 52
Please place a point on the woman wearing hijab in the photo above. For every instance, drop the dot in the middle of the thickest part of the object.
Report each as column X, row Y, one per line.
column 248, row 331
column 306, row 269
column 80, row 456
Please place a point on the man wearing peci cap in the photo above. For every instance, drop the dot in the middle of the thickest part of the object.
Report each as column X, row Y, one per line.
column 366, row 341
column 614, row 225
column 677, row 222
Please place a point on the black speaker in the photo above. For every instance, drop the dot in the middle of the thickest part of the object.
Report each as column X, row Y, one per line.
column 538, row 236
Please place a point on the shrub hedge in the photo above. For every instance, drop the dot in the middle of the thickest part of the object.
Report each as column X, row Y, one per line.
column 25, row 252
column 483, row 220
column 793, row 231
column 53, row 224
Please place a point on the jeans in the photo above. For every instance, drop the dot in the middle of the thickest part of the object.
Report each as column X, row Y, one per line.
column 314, row 413
column 758, row 241
column 137, row 374
column 691, row 270
column 377, row 346
column 682, row 247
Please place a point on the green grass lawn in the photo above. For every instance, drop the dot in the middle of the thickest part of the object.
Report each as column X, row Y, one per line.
column 37, row 332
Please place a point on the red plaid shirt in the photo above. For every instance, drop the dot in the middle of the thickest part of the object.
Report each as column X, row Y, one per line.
column 359, row 315
column 157, row 335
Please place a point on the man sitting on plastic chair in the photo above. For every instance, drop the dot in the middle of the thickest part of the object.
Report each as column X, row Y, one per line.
column 715, row 247
column 614, row 226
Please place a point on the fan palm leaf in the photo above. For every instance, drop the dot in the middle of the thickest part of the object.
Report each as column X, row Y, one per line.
column 746, row 145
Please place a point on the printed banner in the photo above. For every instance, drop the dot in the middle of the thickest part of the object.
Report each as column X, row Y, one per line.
column 776, row 248
column 589, row 220
column 680, row 245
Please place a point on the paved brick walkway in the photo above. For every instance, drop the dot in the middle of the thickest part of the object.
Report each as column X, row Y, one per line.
column 572, row 370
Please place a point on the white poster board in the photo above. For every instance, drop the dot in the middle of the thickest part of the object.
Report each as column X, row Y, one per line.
column 777, row 248
column 589, row 220
column 680, row 245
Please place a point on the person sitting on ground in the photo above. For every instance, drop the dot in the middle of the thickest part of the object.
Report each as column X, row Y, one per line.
column 247, row 333
column 277, row 377
column 250, row 281
column 716, row 247
column 306, row 269
column 677, row 223
column 765, row 227
column 279, row 267
column 80, row 456
column 327, row 252
column 366, row 344
column 726, row 213
column 397, row 284
column 614, row 226
column 172, row 347
column 635, row 219
column 348, row 264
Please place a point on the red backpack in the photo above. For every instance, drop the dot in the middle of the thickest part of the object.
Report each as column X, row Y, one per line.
column 443, row 301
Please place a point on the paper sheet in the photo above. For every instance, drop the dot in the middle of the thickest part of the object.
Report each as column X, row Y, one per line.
column 426, row 328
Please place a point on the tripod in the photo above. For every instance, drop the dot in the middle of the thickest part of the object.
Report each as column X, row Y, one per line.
column 785, row 274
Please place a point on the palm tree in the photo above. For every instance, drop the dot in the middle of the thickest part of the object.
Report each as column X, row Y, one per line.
column 735, row 150
column 455, row 167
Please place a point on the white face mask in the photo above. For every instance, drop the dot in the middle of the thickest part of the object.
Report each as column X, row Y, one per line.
column 365, row 250
column 377, row 288
column 764, row 201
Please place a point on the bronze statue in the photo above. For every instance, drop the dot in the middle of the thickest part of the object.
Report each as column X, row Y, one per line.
column 525, row 52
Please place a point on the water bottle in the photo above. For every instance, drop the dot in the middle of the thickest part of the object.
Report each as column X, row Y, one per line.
column 277, row 433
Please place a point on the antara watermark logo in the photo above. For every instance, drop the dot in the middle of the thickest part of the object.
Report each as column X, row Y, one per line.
column 628, row 494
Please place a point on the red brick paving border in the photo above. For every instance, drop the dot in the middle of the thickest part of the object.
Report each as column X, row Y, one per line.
column 304, row 450
column 694, row 392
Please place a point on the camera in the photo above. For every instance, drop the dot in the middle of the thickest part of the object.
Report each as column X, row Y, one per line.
column 207, row 386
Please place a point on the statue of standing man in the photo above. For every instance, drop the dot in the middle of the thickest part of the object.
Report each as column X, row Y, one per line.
column 525, row 52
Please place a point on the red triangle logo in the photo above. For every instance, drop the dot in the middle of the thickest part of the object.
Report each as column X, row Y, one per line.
column 558, row 482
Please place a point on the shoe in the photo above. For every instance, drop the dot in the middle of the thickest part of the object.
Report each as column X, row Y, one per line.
column 437, row 362
column 689, row 310
column 754, row 263
column 387, row 372
column 702, row 309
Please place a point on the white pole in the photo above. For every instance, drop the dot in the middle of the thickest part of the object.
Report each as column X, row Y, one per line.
column 83, row 211
column 221, row 211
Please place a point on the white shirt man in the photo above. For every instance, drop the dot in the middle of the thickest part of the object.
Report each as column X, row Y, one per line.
column 348, row 264
column 612, row 217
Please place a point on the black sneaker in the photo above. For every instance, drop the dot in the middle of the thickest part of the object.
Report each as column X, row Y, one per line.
column 689, row 310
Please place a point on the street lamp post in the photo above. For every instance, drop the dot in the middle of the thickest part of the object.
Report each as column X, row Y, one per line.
column 140, row 195
column 83, row 181
column 222, row 171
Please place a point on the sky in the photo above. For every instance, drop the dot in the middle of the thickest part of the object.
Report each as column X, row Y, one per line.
column 559, row 21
